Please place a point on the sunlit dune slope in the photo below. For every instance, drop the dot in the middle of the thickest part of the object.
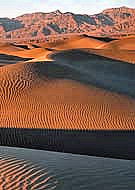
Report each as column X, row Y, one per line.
column 124, row 43
column 82, row 41
column 32, row 53
column 57, row 95
column 9, row 48
column 120, row 54
column 122, row 49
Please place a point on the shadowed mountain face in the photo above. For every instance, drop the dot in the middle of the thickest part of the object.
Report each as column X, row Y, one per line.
column 110, row 21
column 10, row 24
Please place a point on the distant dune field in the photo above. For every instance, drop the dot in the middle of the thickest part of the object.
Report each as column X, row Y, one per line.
column 82, row 41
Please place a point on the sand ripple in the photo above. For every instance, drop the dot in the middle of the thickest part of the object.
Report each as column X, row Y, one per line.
column 22, row 175
column 35, row 95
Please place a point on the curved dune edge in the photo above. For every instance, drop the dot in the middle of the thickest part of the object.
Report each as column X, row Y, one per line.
column 101, row 143
column 62, row 100
column 121, row 54
column 9, row 47
column 22, row 174
column 82, row 41
column 32, row 53
column 124, row 43
column 36, row 95
column 122, row 49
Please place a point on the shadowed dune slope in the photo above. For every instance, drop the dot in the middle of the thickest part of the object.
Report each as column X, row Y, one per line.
column 82, row 41
column 59, row 95
column 10, row 59
column 101, row 71
column 26, row 46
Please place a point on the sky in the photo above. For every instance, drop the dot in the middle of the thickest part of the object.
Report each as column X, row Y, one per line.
column 13, row 8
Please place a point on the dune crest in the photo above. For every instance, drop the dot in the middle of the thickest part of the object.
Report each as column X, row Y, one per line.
column 6, row 47
column 80, row 41
column 127, row 43
column 44, row 95
column 70, row 90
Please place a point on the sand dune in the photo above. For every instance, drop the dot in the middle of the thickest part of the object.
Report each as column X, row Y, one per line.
column 21, row 174
column 122, row 49
column 55, row 96
column 9, row 48
column 98, row 70
column 26, row 46
column 121, row 54
column 82, row 41
column 67, row 88
column 32, row 53
column 10, row 59
column 127, row 43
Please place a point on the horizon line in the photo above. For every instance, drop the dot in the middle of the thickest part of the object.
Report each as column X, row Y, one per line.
column 64, row 12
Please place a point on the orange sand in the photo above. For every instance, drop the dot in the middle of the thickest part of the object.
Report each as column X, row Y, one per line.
column 124, row 43
column 28, row 100
column 74, row 42
column 51, row 94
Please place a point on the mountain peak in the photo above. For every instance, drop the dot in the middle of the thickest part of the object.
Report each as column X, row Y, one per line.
column 123, row 8
column 58, row 12
column 109, row 22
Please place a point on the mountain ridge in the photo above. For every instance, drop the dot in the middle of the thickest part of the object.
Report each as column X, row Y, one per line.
column 110, row 21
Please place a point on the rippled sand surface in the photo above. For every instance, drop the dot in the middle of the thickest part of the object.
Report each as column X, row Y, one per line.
column 24, row 169
column 22, row 174
column 52, row 92
column 58, row 95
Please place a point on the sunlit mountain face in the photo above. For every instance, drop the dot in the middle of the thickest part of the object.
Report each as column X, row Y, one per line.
column 109, row 22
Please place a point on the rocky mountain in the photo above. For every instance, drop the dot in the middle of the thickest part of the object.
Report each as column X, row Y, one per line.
column 111, row 21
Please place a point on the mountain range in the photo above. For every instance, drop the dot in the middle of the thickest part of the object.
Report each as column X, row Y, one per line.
column 109, row 22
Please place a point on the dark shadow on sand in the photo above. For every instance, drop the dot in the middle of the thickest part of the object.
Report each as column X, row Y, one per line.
column 87, row 68
column 10, row 59
column 114, row 144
